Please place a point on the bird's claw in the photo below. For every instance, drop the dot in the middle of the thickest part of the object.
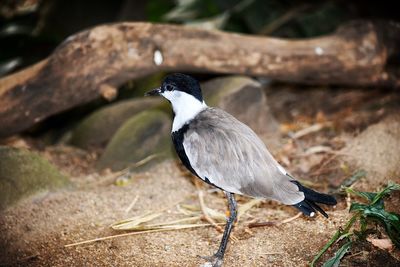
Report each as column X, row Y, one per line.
column 212, row 261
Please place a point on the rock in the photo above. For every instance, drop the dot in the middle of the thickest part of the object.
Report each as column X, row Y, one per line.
column 147, row 83
column 377, row 151
column 143, row 135
column 98, row 128
column 23, row 173
column 241, row 96
column 244, row 98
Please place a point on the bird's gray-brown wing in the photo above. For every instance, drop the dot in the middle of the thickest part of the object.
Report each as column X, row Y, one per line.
column 231, row 156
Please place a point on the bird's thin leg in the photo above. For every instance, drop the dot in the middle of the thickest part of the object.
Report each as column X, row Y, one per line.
column 229, row 224
column 217, row 259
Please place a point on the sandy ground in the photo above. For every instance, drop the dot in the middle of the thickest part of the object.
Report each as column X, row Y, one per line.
column 36, row 230
column 42, row 226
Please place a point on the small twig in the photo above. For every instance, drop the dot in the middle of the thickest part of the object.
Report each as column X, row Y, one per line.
column 311, row 129
column 21, row 260
column 261, row 224
column 274, row 223
column 316, row 150
column 323, row 165
column 271, row 253
column 288, row 220
column 128, row 209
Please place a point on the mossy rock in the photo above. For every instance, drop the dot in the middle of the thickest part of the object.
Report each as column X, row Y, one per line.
column 23, row 173
column 148, row 83
column 245, row 99
column 98, row 128
column 145, row 134
column 138, row 87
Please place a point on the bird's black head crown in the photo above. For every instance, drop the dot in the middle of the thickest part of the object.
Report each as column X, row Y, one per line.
column 184, row 83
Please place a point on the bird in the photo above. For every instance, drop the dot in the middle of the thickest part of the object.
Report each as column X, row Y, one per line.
column 227, row 154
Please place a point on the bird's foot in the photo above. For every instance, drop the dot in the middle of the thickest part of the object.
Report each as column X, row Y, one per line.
column 212, row 261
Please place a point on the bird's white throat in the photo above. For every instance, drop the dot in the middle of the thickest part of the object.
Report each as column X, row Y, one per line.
column 185, row 107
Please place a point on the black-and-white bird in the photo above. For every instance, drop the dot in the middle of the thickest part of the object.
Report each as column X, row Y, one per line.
column 226, row 153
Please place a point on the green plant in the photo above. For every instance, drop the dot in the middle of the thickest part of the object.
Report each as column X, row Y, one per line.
column 365, row 213
column 280, row 18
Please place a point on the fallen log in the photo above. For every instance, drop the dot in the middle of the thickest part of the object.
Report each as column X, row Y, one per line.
column 93, row 62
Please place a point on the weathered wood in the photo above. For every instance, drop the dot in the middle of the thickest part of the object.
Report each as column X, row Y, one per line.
column 89, row 64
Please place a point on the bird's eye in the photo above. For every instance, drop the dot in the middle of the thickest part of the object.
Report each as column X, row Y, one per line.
column 169, row 87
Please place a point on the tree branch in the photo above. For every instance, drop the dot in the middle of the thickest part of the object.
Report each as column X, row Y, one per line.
column 109, row 55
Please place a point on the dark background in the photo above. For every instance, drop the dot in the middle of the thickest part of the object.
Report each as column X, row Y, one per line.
column 31, row 29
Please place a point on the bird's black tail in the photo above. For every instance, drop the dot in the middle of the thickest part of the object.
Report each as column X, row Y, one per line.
column 309, row 205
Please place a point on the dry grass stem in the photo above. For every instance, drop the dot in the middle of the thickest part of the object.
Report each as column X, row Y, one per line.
column 288, row 220
column 128, row 209
column 175, row 222
column 209, row 219
column 306, row 131
column 127, row 172
column 248, row 206
column 136, row 233
column 144, row 161
column 316, row 150
column 192, row 210
column 135, row 222
column 205, row 213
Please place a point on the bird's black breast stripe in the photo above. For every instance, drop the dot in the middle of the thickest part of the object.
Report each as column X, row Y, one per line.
column 177, row 139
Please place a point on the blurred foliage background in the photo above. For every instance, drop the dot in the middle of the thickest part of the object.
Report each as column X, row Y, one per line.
column 31, row 29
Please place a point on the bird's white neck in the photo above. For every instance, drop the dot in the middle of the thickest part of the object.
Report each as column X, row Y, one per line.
column 185, row 107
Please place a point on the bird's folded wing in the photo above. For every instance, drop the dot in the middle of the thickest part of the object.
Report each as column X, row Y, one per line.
column 230, row 155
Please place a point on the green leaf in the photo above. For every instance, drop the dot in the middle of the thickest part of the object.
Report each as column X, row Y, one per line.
column 386, row 191
column 339, row 234
column 333, row 239
column 155, row 9
column 390, row 220
column 184, row 10
column 354, row 178
column 393, row 233
column 374, row 198
column 9, row 65
column 367, row 195
column 189, row 10
column 212, row 23
column 363, row 224
column 378, row 213
column 355, row 206
column 335, row 260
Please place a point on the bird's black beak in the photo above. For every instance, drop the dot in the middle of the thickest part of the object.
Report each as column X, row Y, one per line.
column 156, row 91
